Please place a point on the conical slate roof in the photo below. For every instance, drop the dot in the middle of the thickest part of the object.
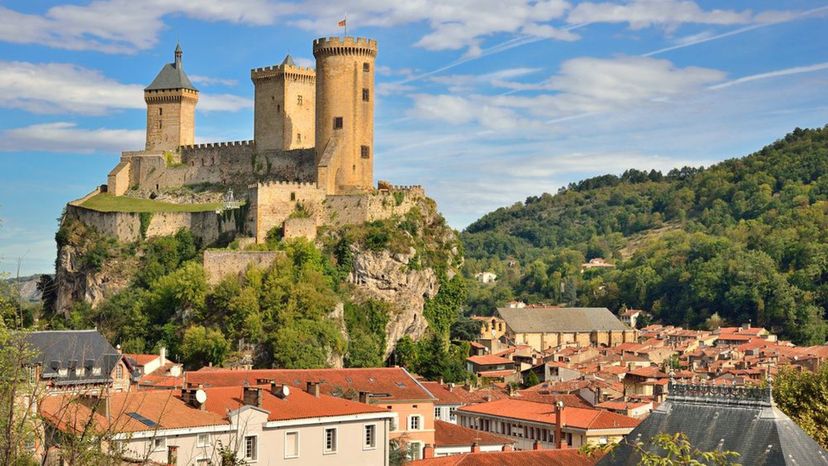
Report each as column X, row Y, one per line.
column 172, row 76
column 288, row 61
column 740, row 419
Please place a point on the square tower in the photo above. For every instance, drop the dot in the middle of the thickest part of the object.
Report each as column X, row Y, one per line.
column 285, row 106
column 171, row 100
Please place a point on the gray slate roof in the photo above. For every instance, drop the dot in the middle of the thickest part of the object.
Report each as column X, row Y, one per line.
column 67, row 349
column 288, row 61
column 560, row 319
column 171, row 76
column 744, row 420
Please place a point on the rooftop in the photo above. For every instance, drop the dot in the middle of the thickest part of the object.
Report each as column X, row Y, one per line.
column 172, row 76
column 579, row 418
column 560, row 319
column 59, row 350
column 566, row 457
column 447, row 434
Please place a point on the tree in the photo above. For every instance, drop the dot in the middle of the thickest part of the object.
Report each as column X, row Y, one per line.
column 713, row 322
column 531, row 380
column 804, row 397
column 668, row 450
column 202, row 346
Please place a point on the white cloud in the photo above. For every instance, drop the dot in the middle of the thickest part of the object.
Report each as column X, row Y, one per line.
column 59, row 88
column 773, row 74
column 465, row 83
column 211, row 81
column 645, row 13
column 582, row 86
column 68, row 138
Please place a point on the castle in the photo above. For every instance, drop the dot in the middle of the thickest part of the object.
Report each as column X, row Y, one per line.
column 310, row 162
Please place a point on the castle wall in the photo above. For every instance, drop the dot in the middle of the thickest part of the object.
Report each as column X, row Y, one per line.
column 126, row 226
column 118, row 180
column 219, row 264
column 272, row 203
column 300, row 228
column 234, row 164
column 349, row 209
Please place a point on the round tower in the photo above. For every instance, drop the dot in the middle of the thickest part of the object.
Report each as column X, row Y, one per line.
column 345, row 113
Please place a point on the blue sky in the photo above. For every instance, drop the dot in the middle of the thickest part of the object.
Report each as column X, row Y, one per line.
column 484, row 102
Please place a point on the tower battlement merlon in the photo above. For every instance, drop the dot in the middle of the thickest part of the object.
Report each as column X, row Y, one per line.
column 344, row 46
column 282, row 70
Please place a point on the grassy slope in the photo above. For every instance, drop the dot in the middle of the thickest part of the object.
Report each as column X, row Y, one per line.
column 108, row 203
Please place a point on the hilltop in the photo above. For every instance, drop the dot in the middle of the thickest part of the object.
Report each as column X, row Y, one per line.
column 743, row 239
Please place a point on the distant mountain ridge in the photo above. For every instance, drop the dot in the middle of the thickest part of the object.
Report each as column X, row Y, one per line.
column 685, row 242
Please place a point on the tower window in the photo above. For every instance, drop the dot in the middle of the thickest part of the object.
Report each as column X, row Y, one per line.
column 365, row 152
column 365, row 95
column 337, row 123
column 159, row 124
column 160, row 111
column 298, row 137
column 278, row 108
column 299, row 100
column 366, row 67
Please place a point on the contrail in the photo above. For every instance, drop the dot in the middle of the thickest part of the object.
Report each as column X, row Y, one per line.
column 771, row 74
column 734, row 32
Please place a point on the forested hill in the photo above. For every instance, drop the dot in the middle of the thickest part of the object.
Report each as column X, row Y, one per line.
column 745, row 239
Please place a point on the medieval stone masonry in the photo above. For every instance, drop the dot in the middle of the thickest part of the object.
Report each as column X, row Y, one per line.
column 313, row 150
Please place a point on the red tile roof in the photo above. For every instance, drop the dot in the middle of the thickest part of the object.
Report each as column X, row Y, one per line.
column 493, row 374
column 651, row 371
column 387, row 384
column 567, row 457
column 159, row 406
column 488, row 360
column 447, row 434
column 142, row 359
column 581, row 418
column 297, row 405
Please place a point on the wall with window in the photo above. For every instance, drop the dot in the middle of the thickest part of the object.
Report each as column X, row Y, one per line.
column 415, row 422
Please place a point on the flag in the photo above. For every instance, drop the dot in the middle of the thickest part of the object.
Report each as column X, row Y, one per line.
column 341, row 23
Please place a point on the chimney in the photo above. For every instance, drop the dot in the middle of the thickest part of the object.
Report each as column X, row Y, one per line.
column 536, row 445
column 428, row 451
column 312, row 388
column 508, row 447
column 252, row 396
column 475, row 447
column 451, row 387
column 559, row 407
column 163, row 354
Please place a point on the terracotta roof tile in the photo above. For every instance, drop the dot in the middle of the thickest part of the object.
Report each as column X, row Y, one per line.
column 582, row 418
column 142, row 359
column 385, row 383
column 447, row 434
column 488, row 360
column 567, row 457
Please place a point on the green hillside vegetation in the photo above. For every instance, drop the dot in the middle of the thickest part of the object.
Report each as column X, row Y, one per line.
column 104, row 202
column 745, row 239
column 283, row 316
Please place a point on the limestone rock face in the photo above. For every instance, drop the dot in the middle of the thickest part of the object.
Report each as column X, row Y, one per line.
column 76, row 283
column 386, row 276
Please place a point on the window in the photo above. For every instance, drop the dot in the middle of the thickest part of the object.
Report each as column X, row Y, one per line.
column 370, row 440
column 452, row 413
column 298, row 100
column 278, row 108
column 337, row 123
column 299, row 137
column 292, row 196
column 250, row 452
column 415, row 422
column 291, row 444
column 365, row 152
column 366, row 67
column 415, row 450
column 160, row 111
column 366, row 95
column 97, row 370
column 602, row 440
column 63, row 372
column 203, row 440
column 159, row 124
column 159, row 444
column 436, row 410
column 119, row 371
column 330, row 440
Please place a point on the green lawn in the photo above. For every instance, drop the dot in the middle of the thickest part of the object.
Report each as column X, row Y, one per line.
column 108, row 203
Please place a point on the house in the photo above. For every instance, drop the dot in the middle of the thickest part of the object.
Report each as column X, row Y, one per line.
column 155, row 371
column 492, row 367
column 551, row 372
column 532, row 424
column 596, row 263
column 449, row 397
column 486, row 277
column 630, row 316
column 190, row 427
column 452, row 439
column 744, row 420
column 390, row 388
column 646, row 381
column 636, row 409
column 550, row 327
column 76, row 361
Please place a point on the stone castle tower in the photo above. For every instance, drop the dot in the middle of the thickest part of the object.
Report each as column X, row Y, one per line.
column 171, row 101
column 284, row 113
column 344, row 113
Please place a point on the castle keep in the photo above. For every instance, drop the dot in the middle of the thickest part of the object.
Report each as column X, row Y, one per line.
column 310, row 162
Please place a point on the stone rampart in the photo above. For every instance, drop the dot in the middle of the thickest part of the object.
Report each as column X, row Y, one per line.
column 219, row 264
column 300, row 228
column 273, row 203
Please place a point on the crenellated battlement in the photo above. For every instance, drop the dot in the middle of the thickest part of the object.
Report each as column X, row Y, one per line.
column 344, row 46
column 413, row 187
column 213, row 145
column 283, row 70
column 278, row 183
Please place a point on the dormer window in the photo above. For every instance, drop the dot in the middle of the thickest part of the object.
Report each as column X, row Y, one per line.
column 96, row 371
column 63, row 372
column 80, row 371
